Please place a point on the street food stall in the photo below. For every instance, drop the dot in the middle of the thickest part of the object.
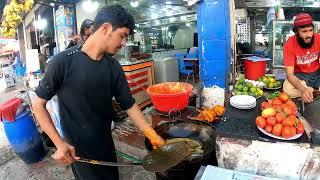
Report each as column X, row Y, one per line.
column 250, row 127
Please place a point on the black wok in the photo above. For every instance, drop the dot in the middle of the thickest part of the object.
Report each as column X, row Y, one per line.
column 200, row 131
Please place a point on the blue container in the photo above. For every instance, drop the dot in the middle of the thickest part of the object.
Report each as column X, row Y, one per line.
column 24, row 138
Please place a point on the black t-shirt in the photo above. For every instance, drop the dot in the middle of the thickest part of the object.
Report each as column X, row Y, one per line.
column 85, row 88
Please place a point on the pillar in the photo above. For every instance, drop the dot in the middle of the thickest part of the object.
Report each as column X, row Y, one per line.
column 214, row 39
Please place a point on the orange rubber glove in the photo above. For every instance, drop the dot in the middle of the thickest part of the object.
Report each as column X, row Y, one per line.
column 154, row 138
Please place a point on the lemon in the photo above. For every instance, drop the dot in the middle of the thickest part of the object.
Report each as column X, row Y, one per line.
column 260, row 92
column 241, row 80
column 253, row 89
column 239, row 88
column 272, row 80
column 249, row 85
column 264, row 79
column 270, row 85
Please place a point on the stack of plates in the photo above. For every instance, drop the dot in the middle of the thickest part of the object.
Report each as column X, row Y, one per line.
column 243, row 102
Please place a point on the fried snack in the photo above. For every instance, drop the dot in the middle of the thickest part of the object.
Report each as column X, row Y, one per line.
column 209, row 114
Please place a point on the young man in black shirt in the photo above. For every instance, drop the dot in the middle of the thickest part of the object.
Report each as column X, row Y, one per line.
column 85, row 78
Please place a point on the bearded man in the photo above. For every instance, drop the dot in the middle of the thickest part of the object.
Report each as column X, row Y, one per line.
column 301, row 59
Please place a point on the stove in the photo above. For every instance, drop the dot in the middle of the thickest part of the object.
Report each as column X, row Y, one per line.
column 185, row 171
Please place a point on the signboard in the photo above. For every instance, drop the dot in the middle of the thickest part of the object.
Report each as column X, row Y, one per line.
column 8, row 45
column 65, row 25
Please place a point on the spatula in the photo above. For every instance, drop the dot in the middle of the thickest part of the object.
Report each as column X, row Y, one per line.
column 157, row 160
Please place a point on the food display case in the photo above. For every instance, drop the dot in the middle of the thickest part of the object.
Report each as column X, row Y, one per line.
column 278, row 35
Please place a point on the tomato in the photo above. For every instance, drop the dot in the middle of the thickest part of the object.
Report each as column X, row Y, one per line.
column 277, row 129
column 279, row 110
column 295, row 111
column 280, row 117
column 288, row 122
column 268, row 129
column 284, row 97
column 287, row 110
column 271, row 121
column 300, row 128
column 283, row 106
column 265, row 105
column 293, row 130
column 276, row 106
column 276, row 101
column 261, row 122
column 293, row 117
column 286, row 132
column 270, row 101
column 291, row 104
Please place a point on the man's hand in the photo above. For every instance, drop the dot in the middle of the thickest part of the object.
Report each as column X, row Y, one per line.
column 154, row 138
column 65, row 154
column 76, row 38
column 307, row 94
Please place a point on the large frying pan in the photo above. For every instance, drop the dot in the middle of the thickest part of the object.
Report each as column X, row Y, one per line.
column 202, row 132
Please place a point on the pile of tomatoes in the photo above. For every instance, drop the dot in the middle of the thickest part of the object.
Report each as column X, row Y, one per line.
column 279, row 117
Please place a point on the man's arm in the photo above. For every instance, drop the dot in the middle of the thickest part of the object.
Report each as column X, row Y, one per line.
column 65, row 153
column 306, row 92
column 139, row 120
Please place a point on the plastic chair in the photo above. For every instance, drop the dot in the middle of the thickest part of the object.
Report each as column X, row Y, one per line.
column 180, row 55
column 191, row 56
column 194, row 50
column 183, row 70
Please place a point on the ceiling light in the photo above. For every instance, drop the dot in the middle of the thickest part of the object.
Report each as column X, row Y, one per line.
column 90, row 6
column 152, row 6
column 52, row 4
column 169, row 13
column 276, row 3
column 40, row 23
column 172, row 19
column 191, row 2
column 183, row 18
column 188, row 24
column 316, row 4
column 168, row 2
column 154, row 16
column 137, row 25
column 157, row 22
column 134, row 4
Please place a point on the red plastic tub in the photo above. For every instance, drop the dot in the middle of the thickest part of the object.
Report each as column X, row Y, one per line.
column 254, row 69
column 170, row 96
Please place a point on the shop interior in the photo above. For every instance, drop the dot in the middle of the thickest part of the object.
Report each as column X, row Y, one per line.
column 168, row 29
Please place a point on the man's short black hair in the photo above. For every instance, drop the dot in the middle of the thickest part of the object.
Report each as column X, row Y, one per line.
column 116, row 15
